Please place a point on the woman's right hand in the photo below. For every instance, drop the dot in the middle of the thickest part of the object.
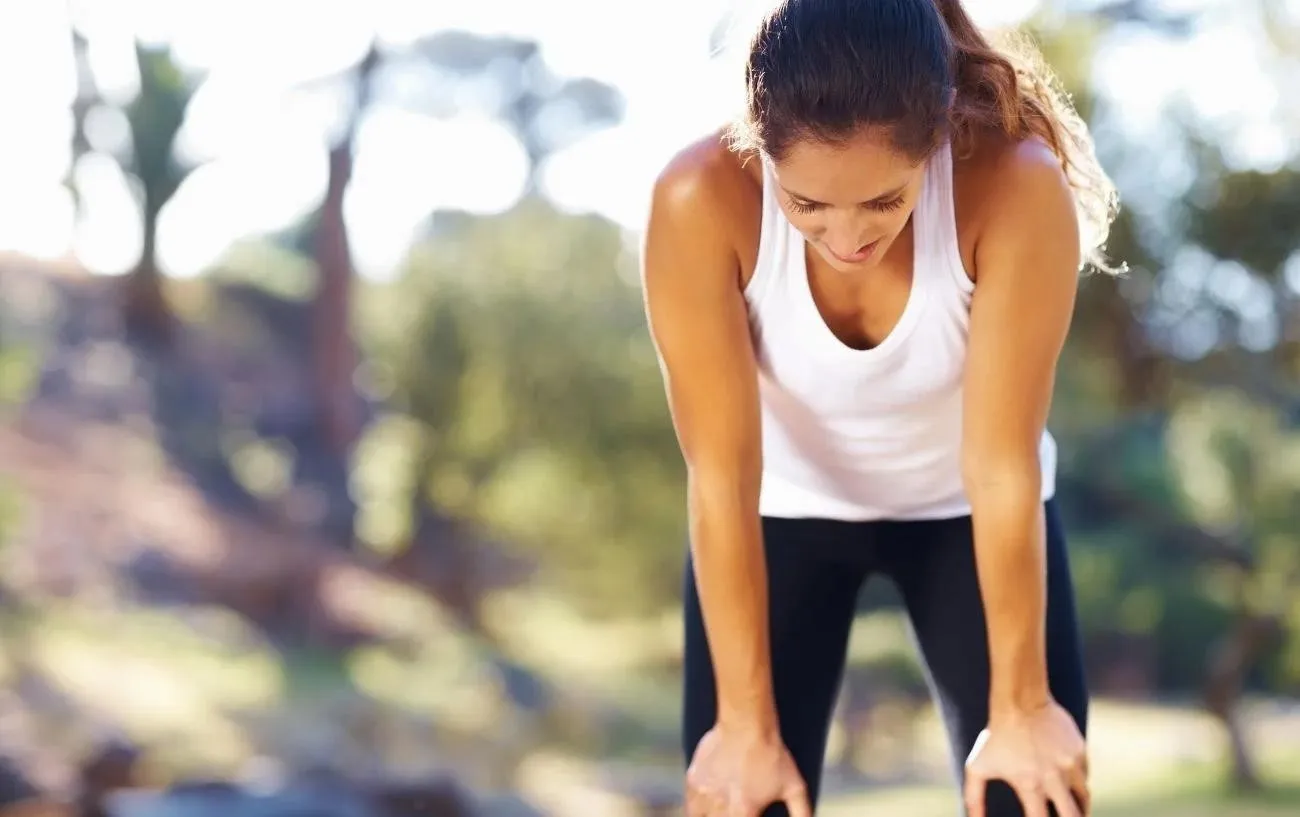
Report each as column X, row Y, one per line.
column 737, row 772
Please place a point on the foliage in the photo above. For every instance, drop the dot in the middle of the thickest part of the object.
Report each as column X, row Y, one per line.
column 155, row 116
column 527, row 367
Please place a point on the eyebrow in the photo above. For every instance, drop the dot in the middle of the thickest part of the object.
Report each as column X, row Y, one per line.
column 892, row 194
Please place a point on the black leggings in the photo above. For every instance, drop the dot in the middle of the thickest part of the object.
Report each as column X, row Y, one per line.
column 815, row 570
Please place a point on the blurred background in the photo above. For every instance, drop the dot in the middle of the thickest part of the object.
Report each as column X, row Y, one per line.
column 336, row 477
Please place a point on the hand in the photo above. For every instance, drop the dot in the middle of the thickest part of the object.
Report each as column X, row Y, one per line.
column 739, row 773
column 1040, row 754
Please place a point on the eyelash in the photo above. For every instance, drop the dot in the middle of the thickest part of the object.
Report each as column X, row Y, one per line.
column 883, row 207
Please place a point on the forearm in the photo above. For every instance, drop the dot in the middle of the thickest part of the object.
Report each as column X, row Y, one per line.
column 1010, row 555
column 731, row 577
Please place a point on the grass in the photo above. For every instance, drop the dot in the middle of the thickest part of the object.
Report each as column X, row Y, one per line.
column 158, row 678
column 1277, row 804
column 933, row 803
column 1196, row 790
column 204, row 694
column 187, row 679
column 1148, row 760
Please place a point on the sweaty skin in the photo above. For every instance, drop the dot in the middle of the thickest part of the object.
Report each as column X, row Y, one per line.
column 1018, row 235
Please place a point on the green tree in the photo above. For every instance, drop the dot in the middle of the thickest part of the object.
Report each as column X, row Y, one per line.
column 544, row 113
column 538, row 403
column 455, row 358
column 155, row 116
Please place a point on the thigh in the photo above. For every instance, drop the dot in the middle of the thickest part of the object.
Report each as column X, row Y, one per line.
column 936, row 574
column 812, row 590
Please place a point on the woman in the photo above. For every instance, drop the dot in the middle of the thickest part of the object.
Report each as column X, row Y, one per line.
column 858, row 295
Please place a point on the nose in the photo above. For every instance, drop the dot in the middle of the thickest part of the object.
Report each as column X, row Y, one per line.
column 845, row 233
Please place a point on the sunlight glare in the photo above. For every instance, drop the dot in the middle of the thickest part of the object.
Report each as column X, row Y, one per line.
column 108, row 238
column 229, row 198
column 407, row 166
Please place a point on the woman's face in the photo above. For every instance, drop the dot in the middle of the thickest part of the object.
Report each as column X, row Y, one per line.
column 851, row 200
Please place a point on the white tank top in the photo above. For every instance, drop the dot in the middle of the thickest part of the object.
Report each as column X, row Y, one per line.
column 866, row 434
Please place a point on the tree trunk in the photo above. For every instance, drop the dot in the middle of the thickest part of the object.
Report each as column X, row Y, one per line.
column 1231, row 660
column 440, row 560
column 1142, row 382
column 146, row 312
column 86, row 99
column 335, row 357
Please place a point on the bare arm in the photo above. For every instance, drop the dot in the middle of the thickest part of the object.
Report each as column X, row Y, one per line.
column 698, row 322
column 1027, row 261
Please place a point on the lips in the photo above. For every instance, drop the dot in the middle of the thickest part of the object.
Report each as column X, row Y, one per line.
column 862, row 254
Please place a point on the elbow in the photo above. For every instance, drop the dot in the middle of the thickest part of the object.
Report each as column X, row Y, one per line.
column 1002, row 478
column 722, row 493
column 720, row 472
column 722, row 513
column 730, row 489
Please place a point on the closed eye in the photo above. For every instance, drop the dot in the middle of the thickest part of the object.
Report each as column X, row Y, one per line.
column 808, row 207
column 804, row 207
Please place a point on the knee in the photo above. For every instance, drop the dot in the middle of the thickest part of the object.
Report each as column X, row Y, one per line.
column 1000, row 800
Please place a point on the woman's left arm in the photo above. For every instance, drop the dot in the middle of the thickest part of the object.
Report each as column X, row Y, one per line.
column 1026, row 272
column 1027, row 260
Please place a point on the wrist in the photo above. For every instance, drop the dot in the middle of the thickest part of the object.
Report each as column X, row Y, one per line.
column 1018, row 668
column 759, row 723
column 1023, row 699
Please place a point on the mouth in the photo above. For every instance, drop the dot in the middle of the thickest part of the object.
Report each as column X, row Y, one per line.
column 862, row 254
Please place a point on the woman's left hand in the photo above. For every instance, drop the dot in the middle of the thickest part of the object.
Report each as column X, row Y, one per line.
column 1040, row 754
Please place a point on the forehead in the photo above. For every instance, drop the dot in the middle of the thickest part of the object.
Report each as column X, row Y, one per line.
column 860, row 169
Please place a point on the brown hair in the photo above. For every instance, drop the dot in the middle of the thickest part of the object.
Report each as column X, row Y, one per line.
column 823, row 69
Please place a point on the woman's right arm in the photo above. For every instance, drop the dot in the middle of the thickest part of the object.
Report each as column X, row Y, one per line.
column 698, row 321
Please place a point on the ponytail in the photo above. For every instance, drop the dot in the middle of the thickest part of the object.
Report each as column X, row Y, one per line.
column 1011, row 89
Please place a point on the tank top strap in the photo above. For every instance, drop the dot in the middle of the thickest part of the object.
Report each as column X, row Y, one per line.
column 939, row 241
column 770, row 262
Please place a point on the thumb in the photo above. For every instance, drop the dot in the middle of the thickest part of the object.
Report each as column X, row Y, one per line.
column 796, row 802
column 795, row 796
column 974, row 791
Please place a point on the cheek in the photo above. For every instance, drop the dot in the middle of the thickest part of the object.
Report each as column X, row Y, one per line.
column 894, row 223
column 889, row 225
column 810, row 224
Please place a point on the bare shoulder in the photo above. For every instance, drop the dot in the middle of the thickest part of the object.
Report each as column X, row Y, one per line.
column 707, row 192
column 706, row 173
column 1002, row 176
column 1013, row 190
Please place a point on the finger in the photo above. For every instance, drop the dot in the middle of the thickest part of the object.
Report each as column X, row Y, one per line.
column 1084, row 800
column 1063, row 798
column 973, row 794
column 701, row 803
column 1079, row 788
column 797, row 803
column 1032, row 799
column 696, row 806
column 735, row 804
